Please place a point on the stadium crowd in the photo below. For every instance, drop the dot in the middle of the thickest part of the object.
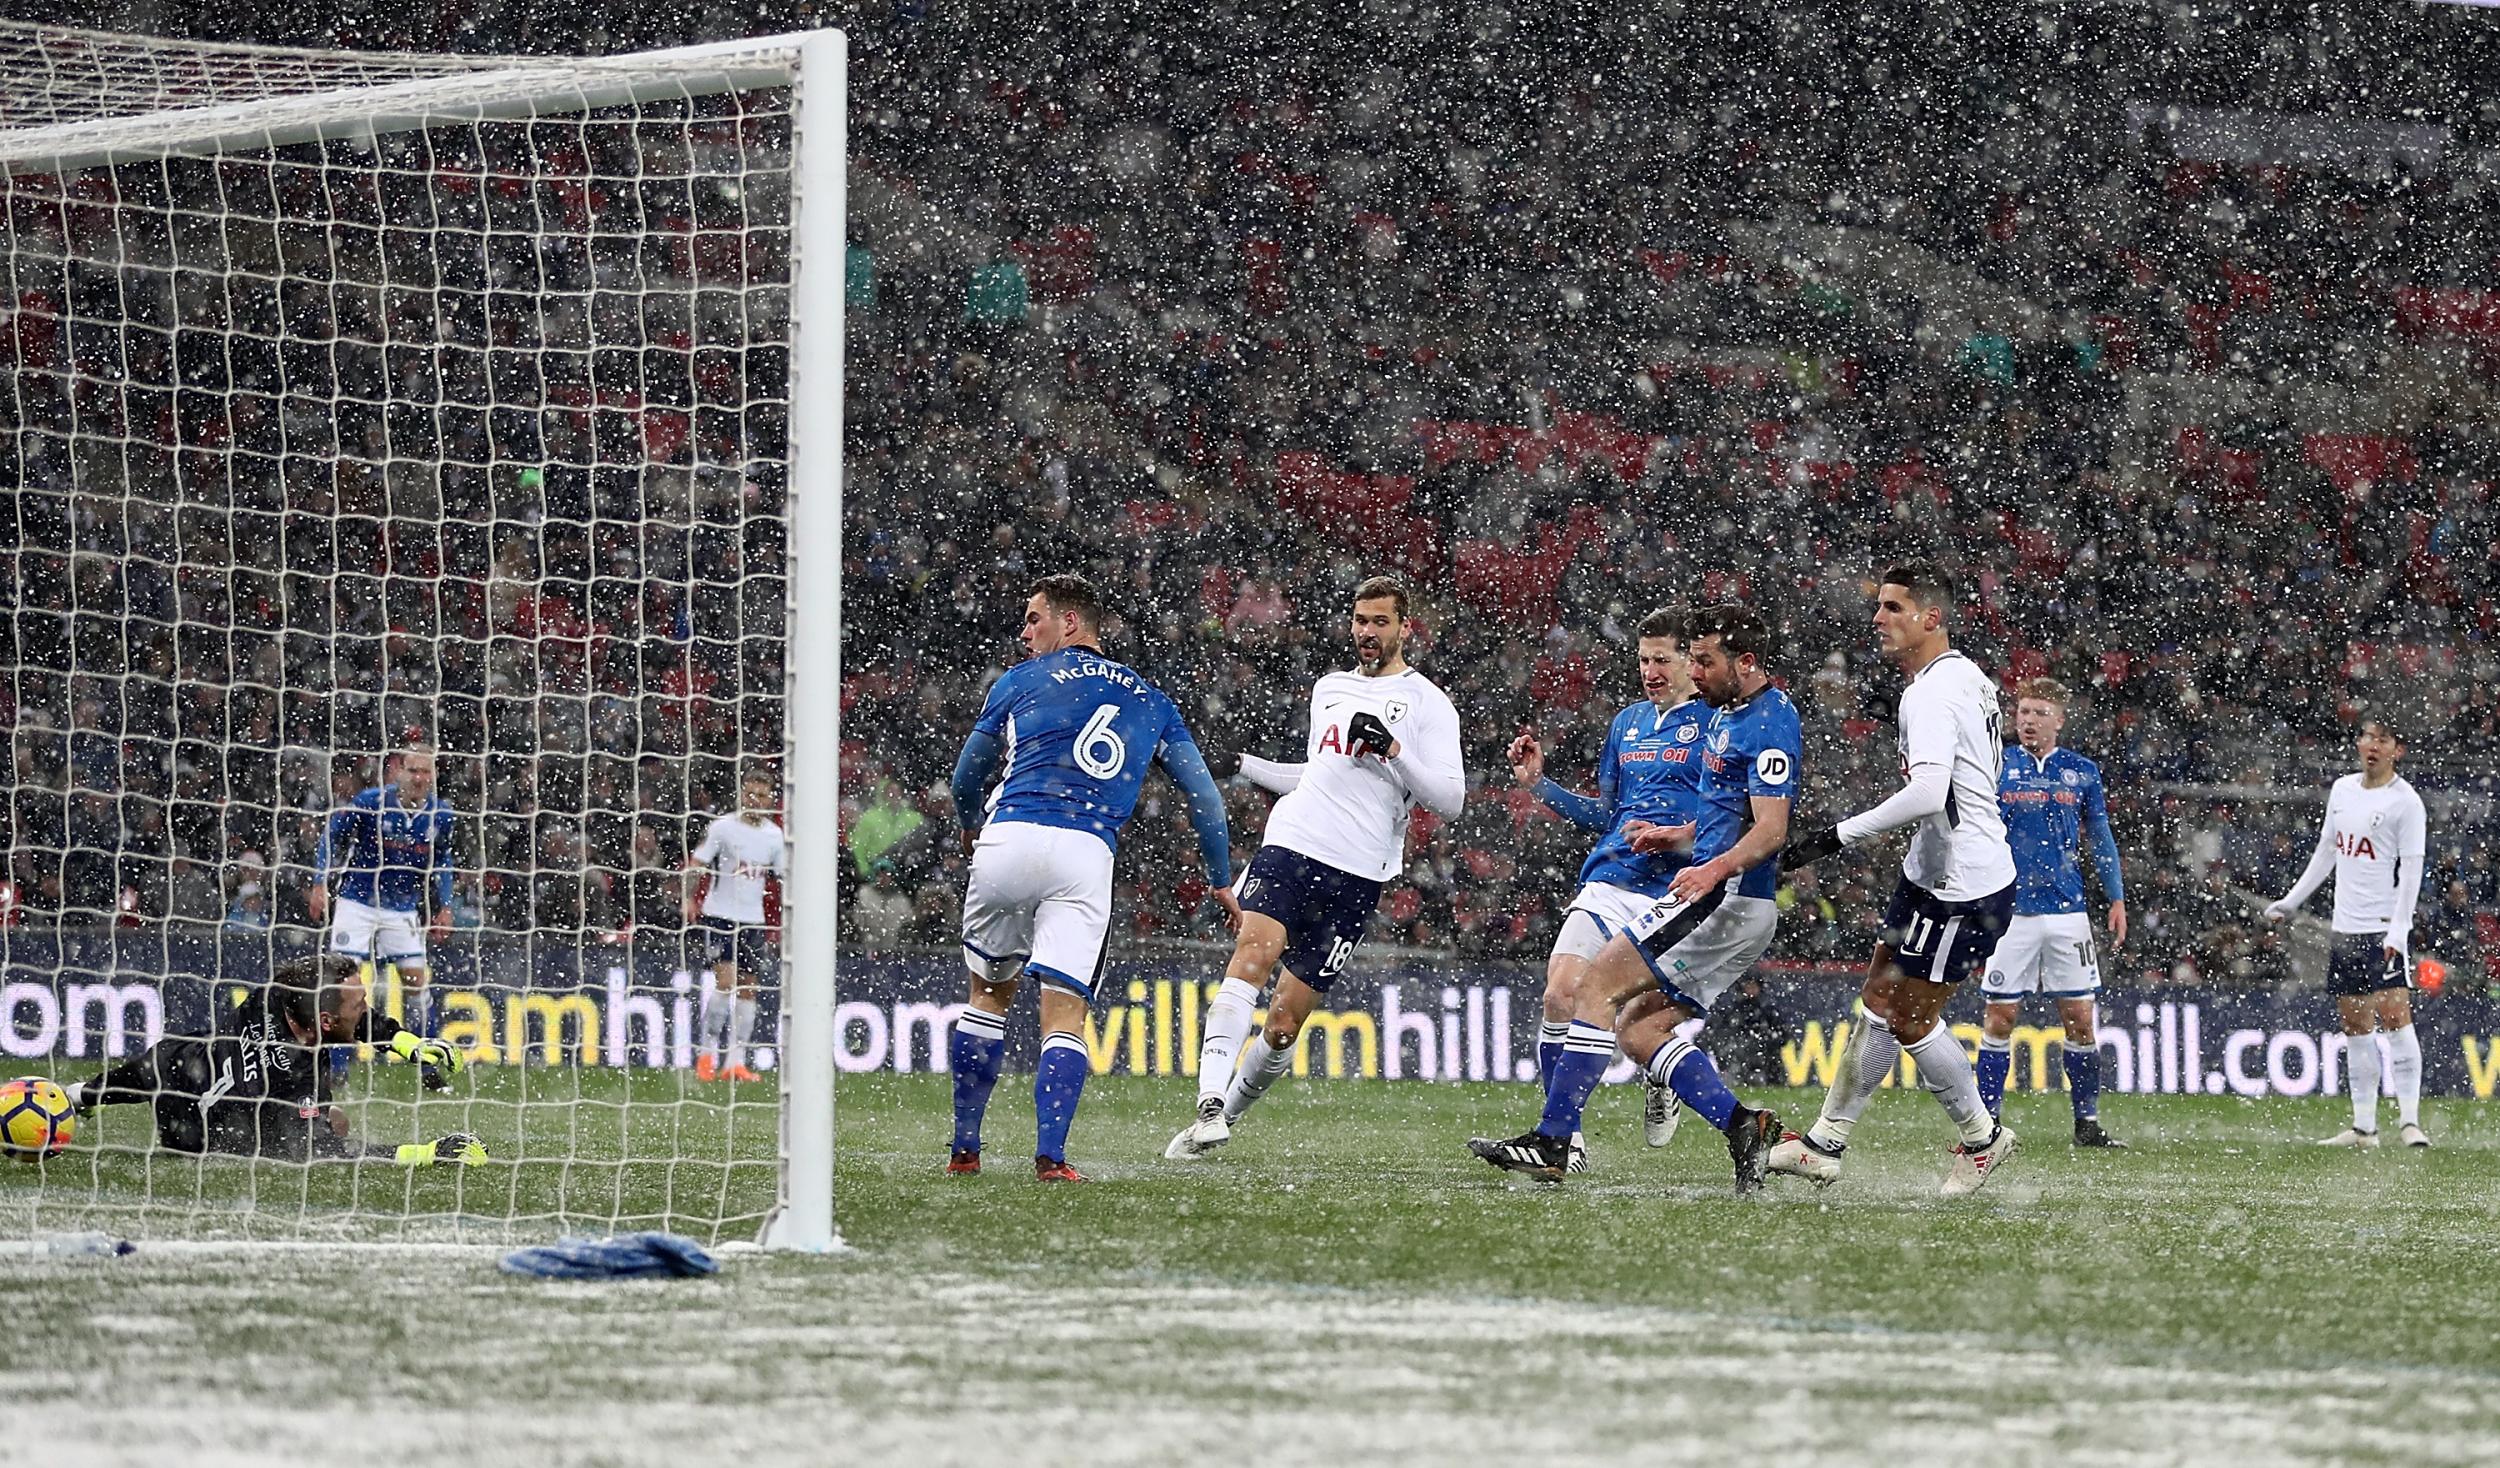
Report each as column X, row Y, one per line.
column 1499, row 305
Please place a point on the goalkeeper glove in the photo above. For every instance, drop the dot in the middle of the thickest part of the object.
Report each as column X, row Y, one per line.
column 459, row 1147
column 1810, row 846
column 1366, row 734
column 419, row 1049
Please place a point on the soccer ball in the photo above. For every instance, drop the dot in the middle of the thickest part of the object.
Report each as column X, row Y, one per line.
column 35, row 1119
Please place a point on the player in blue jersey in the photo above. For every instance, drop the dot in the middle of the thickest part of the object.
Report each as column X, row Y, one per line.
column 1646, row 776
column 2053, row 803
column 390, row 852
column 1716, row 918
column 1073, row 733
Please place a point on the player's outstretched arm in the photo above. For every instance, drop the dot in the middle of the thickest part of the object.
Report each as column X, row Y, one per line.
column 1274, row 776
column 1589, row 813
column 1921, row 797
column 323, row 1143
column 1584, row 811
column 2321, row 862
column 385, row 1033
column 1188, row 769
column 121, row 1083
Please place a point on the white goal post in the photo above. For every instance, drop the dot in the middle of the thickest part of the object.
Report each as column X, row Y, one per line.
column 363, row 402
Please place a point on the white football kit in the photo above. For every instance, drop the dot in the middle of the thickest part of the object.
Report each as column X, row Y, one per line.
column 1950, row 716
column 1352, row 814
column 2373, row 841
column 741, row 856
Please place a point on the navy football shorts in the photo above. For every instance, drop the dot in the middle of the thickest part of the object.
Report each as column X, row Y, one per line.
column 2357, row 964
column 1324, row 910
column 750, row 944
column 1944, row 942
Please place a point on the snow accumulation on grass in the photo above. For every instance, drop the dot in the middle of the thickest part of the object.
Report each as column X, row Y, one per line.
column 284, row 1357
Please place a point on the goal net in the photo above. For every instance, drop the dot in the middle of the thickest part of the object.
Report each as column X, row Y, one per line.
column 360, row 407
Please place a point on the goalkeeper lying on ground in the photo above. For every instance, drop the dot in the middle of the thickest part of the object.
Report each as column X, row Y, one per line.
column 256, row 1086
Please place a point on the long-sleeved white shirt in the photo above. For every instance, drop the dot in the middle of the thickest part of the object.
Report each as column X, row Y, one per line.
column 1951, row 756
column 2373, row 841
column 1351, row 812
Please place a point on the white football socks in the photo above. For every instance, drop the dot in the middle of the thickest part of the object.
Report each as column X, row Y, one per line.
column 1227, row 1023
column 2404, row 1055
column 2361, row 1072
column 1944, row 1068
column 718, row 1006
column 742, row 1032
column 1261, row 1064
column 1869, row 1056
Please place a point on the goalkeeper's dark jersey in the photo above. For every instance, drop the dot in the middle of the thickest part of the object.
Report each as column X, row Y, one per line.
column 245, row 1088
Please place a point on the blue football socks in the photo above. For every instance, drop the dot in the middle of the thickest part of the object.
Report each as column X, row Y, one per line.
column 1586, row 1053
column 973, row 1054
column 1689, row 1071
column 1057, row 1083
column 1996, row 1061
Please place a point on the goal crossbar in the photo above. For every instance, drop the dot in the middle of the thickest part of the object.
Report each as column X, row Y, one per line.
column 490, row 91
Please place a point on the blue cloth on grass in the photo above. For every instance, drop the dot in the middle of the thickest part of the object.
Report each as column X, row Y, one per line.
column 626, row 1256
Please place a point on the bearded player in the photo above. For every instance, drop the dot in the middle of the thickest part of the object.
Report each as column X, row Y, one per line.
column 1383, row 739
column 1690, row 946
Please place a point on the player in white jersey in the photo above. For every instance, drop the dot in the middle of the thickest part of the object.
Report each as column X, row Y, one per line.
column 2373, row 841
column 739, row 851
column 1954, row 899
column 1383, row 740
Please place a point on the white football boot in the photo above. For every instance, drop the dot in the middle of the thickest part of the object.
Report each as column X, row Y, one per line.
column 1662, row 1111
column 1973, row 1166
column 1794, row 1155
column 1202, row 1136
column 2350, row 1137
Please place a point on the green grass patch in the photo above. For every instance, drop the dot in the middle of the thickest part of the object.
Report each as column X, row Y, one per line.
column 1343, row 1282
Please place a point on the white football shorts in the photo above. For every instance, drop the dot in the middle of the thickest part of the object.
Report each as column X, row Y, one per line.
column 377, row 933
column 1042, row 895
column 2050, row 954
column 1698, row 950
column 1597, row 913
